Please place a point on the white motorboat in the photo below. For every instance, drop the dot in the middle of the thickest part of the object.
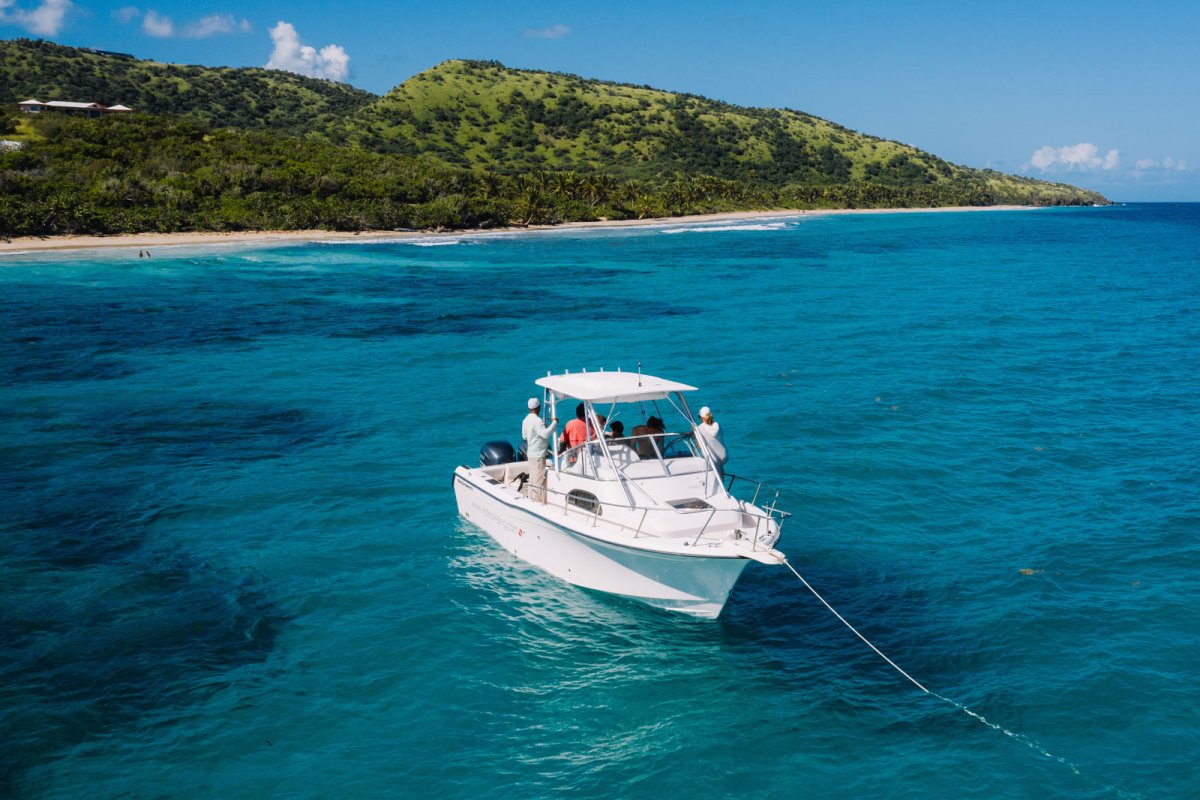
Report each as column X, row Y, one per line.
column 647, row 516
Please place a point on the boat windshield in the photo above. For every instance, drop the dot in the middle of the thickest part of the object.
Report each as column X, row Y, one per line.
column 650, row 433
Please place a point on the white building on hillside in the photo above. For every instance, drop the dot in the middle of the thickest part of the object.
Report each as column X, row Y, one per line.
column 67, row 107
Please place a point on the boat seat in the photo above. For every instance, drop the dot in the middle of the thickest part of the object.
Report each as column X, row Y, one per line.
column 510, row 473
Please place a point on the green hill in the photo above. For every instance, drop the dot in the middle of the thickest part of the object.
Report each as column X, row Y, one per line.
column 252, row 99
column 478, row 113
column 465, row 144
column 482, row 114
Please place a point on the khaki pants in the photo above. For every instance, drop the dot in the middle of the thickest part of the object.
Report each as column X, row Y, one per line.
column 537, row 478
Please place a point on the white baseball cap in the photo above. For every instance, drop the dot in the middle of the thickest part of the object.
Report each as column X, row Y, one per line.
column 704, row 412
column 534, row 403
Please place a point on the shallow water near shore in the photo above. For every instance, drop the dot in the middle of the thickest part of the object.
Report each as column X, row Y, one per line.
column 233, row 566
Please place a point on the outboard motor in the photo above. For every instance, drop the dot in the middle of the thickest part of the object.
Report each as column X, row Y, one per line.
column 497, row 452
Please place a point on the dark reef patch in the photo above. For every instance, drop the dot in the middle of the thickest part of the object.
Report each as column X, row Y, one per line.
column 100, row 632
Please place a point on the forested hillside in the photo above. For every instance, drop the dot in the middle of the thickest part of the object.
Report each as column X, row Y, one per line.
column 149, row 173
column 465, row 144
column 253, row 99
column 482, row 114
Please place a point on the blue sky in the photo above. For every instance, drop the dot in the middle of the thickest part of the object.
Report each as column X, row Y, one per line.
column 1099, row 94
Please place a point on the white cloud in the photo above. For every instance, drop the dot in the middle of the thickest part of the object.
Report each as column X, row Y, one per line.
column 1082, row 156
column 291, row 55
column 126, row 14
column 214, row 24
column 46, row 19
column 158, row 25
column 1168, row 164
column 553, row 32
column 163, row 27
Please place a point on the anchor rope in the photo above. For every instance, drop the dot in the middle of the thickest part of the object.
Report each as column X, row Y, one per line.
column 855, row 630
column 1025, row 740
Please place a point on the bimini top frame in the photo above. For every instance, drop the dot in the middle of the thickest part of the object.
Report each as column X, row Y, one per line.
column 595, row 388
column 611, row 387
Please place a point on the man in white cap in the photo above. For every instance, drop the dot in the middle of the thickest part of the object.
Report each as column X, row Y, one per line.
column 715, row 442
column 537, row 445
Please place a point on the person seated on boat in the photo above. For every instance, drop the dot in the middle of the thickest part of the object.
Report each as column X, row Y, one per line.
column 575, row 432
column 714, row 440
column 537, row 437
column 642, row 435
column 594, row 433
column 620, row 447
column 639, row 438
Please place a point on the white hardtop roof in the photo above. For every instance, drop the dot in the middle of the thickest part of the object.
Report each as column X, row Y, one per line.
column 611, row 387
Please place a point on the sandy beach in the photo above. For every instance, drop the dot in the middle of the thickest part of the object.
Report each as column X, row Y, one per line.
column 206, row 238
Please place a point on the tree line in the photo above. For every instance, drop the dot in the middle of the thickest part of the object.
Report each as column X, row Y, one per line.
column 141, row 173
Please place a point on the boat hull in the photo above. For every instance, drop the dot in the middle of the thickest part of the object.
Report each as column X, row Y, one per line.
column 697, row 585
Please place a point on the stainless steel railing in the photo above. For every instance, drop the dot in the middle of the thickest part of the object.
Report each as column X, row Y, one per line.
column 763, row 516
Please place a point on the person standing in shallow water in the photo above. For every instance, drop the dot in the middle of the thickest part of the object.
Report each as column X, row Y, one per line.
column 714, row 440
column 537, row 437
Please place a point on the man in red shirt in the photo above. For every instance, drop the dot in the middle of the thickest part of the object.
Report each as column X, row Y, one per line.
column 575, row 432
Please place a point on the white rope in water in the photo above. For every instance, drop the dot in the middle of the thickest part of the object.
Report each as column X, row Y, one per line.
column 1025, row 740
column 855, row 630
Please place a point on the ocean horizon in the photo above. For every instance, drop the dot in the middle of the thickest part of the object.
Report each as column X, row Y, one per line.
column 234, row 566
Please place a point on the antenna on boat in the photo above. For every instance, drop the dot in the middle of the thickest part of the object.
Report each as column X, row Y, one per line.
column 639, row 374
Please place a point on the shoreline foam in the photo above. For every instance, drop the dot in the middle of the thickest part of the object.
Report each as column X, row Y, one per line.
column 25, row 244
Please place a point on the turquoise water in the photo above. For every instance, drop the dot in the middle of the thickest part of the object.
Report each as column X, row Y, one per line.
column 232, row 565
